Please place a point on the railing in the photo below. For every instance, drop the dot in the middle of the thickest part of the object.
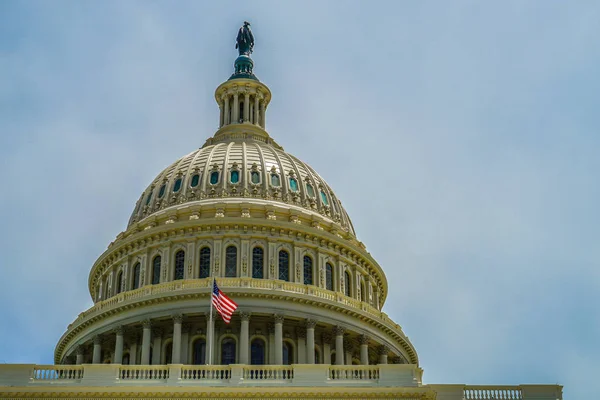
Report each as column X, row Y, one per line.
column 57, row 373
column 492, row 393
column 143, row 372
column 205, row 373
column 268, row 373
column 354, row 373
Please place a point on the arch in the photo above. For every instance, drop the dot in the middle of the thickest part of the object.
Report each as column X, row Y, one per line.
column 258, row 262
column 308, row 270
column 228, row 350
column 179, row 265
column 288, row 350
column 204, row 262
column 195, row 180
column 156, row 261
column 231, row 261
column 347, row 283
column 136, row 275
column 167, row 352
column 318, row 358
column 257, row 352
column 284, row 265
column 199, row 351
column 328, row 276
column 119, row 282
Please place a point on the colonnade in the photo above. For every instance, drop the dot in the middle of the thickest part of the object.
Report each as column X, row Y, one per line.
column 334, row 341
column 251, row 108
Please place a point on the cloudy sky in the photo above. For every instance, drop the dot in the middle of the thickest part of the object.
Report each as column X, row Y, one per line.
column 461, row 136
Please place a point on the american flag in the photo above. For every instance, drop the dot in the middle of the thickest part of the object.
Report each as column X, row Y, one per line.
column 224, row 305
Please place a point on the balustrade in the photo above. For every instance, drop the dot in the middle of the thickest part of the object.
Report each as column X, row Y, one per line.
column 144, row 372
column 492, row 393
column 354, row 372
column 206, row 373
column 266, row 372
column 57, row 373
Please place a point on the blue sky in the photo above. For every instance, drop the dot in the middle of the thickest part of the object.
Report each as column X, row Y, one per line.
column 462, row 137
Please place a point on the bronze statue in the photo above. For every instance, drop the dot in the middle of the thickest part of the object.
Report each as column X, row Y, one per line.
column 245, row 40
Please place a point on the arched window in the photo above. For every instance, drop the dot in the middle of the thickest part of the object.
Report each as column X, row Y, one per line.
column 148, row 198
column 235, row 176
column 347, row 281
column 287, row 353
column 329, row 276
column 136, row 276
column 214, row 177
column 169, row 353
column 228, row 351
column 119, row 282
column 324, row 198
column 255, row 177
column 161, row 191
column 156, row 270
column 284, row 265
column 308, row 270
column 195, row 180
column 231, row 261
column 199, row 352
column 257, row 262
column 204, row 262
column 293, row 185
column 179, row 264
column 177, row 185
column 275, row 181
column 310, row 190
column 257, row 352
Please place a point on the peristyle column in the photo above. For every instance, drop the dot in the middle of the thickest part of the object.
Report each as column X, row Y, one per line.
column 236, row 108
column 79, row 352
column 244, row 335
column 278, row 339
column 383, row 354
column 210, row 334
column 338, row 331
column 301, row 336
column 176, row 356
column 157, row 346
column 246, row 106
column 364, row 349
column 256, row 109
column 97, row 350
column 226, row 116
column 146, row 335
column 119, row 345
column 310, row 341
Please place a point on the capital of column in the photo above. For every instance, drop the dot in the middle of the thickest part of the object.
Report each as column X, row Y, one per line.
column 397, row 360
column 383, row 349
column 118, row 330
column 178, row 318
column 301, row 333
column 311, row 323
column 147, row 324
column 363, row 339
column 245, row 315
column 338, row 330
column 97, row 339
column 278, row 318
column 326, row 337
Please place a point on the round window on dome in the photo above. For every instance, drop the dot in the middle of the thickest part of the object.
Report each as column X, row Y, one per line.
column 324, row 198
column 275, row 180
column 293, row 184
column 177, row 185
column 235, row 176
column 310, row 190
column 161, row 192
column 195, row 180
column 214, row 177
column 255, row 177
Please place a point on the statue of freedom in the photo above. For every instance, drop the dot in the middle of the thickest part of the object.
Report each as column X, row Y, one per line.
column 245, row 40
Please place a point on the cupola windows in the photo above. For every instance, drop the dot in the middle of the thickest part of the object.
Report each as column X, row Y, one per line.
column 324, row 198
column 177, row 185
column 161, row 191
column 214, row 177
column 293, row 185
column 195, row 180
column 255, row 177
column 235, row 176
column 310, row 190
column 275, row 181
column 149, row 198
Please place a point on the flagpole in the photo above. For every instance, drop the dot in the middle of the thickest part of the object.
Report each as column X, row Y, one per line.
column 211, row 324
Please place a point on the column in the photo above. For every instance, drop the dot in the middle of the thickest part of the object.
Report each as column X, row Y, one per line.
column 263, row 105
column 157, row 346
column 146, row 335
column 278, row 339
column 133, row 349
column 310, row 341
column 119, row 345
column 364, row 349
column 271, row 329
column 338, row 331
column 383, row 354
column 244, row 336
column 221, row 112
column 226, row 116
column 246, row 106
column 301, row 344
column 236, row 108
column 210, row 331
column 79, row 352
column 97, row 350
column 326, row 338
column 176, row 356
column 256, row 111
column 347, row 352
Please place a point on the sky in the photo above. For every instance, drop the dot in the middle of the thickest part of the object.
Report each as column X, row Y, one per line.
column 462, row 137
